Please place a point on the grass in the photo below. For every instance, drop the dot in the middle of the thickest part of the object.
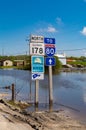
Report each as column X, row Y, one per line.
column 17, row 104
column 78, row 63
column 7, row 67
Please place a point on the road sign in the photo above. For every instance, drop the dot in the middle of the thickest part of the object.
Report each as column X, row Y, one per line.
column 49, row 40
column 50, row 61
column 39, row 76
column 36, row 39
column 37, row 49
column 37, row 64
column 49, row 51
column 50, row 45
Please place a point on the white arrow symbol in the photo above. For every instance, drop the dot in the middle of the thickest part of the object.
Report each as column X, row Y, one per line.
column 50, row 61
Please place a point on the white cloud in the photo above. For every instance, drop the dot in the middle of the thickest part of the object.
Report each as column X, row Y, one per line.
column 83, row 31
column 51, row 29
column 41, row 30
column 59, row 21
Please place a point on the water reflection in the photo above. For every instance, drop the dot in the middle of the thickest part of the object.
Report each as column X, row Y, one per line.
column 69, row 89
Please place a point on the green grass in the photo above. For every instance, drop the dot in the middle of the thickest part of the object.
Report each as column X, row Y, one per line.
column 18, row 104
column 7, row 67
column 77, row 63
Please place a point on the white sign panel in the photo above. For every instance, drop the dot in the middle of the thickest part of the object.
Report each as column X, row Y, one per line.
column 36, row 38
column 37, row 49
column 39, row 76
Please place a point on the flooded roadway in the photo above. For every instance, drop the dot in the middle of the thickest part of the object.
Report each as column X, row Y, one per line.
column 69, row 90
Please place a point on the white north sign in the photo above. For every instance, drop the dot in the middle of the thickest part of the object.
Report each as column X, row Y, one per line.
column 36, row 38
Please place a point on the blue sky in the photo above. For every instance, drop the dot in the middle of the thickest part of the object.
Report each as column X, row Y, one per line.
column 65, row 20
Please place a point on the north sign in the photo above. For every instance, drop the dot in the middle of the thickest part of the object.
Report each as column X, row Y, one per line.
column 36, row 39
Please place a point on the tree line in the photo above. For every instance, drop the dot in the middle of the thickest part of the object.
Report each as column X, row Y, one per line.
column 27, row 58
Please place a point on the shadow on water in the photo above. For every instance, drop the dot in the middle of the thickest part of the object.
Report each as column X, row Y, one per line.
column 49, row 107
column 69, row 91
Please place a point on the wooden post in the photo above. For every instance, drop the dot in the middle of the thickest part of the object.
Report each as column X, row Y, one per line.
column 13, row 93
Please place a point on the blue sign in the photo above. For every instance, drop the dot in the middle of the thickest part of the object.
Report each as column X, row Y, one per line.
column 37, row 64
column 49, row 51
column 49, row 40
column 50, row 61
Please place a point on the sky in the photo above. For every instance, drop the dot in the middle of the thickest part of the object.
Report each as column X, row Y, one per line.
column 64, row 20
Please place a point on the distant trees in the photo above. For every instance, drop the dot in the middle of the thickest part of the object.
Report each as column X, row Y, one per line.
column 77, row 61
column 27, row 58
column 17, row 57
column 82, row 58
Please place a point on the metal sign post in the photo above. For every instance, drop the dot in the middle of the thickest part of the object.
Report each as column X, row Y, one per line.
column 37, row 53
column 37, row 73
column 50, row 86
column 50, row 61
column 36, row 92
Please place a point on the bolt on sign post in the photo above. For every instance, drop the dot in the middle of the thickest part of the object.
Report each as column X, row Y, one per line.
column 50, row 61
column 37, row 53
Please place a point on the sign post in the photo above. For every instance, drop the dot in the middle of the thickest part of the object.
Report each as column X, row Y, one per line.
column 37, row 53
column 36, row 93
column 50, row 61
column 50, row 86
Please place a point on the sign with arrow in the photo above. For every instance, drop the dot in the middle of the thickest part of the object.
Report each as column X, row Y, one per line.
column 50, row 61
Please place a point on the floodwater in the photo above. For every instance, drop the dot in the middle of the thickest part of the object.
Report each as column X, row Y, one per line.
column 69, row 90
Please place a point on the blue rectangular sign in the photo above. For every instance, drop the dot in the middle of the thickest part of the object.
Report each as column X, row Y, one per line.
column 49, row 40
column 50, row 61
column 37, row 64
